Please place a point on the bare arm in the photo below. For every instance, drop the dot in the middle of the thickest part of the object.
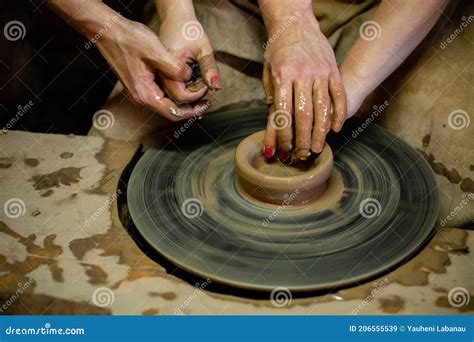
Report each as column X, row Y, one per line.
column 397, row 28
column 132, row 50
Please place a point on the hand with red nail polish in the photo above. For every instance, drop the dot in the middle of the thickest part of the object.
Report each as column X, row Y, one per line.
column 183, row 36
column 301, row 75
column 134, row 52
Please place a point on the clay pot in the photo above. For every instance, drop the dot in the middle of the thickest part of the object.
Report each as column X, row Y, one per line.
column 279, row 183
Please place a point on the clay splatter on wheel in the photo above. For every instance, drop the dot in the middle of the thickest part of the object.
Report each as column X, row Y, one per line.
column 379, row 206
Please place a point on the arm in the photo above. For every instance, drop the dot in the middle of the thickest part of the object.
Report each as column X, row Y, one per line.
column 132, row 50
column 402, row 25
column 301, row 77
column 184, row 37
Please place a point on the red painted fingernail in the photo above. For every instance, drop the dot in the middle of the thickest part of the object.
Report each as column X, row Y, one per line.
column 215, row 82
column 268, row 152
column 282, row 155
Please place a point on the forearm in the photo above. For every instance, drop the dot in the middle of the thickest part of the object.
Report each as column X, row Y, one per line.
column 402, row 25
column 87, row 16
column 172, row 8
column 274, row 12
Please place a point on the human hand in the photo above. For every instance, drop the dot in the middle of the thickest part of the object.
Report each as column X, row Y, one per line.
column 302, row 80
column 184, row 37
column 135, row 53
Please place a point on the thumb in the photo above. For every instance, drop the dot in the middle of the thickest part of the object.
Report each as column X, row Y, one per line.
column 169, row 65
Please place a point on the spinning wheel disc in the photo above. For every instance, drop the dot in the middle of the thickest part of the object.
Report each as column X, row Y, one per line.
column 380, row 206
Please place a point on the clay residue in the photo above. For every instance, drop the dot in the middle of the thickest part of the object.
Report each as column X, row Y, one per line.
column 151, row 312
column 164, row 295
column 47, row 193
column 443, row 302
column 6, row 162
column 391, row 304
column 38, row 255
column 66, row 155
column 96, row 274
column 467, row 185
column 35, row 304
column 64, row 176
column 452, row 175
column 31, row 162
column 426, row 140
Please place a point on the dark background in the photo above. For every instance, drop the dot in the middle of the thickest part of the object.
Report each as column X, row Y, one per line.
column 51, row 67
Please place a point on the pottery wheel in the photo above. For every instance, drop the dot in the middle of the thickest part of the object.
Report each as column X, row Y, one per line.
column 380, row 206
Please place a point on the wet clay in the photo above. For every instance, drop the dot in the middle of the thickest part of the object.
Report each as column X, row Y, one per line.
column 64, row 176
column 66, row 155
column 278, row 183
column 373, row 199
column 31, row 162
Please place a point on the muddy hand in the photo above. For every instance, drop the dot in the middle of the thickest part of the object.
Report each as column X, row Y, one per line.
column 184, row 37
column 302, row 84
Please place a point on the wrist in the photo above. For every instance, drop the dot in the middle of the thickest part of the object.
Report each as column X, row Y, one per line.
column 175, row 10
column 277, row 14
column 356, row 89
